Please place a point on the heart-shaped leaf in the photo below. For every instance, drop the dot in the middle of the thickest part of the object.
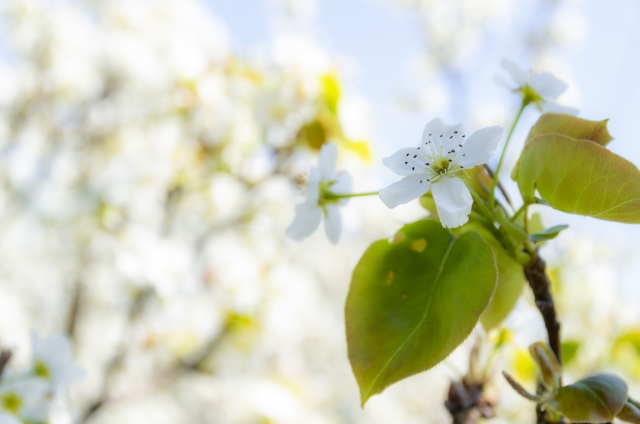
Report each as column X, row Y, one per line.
column 595, row 399
column 413, row 300
column 580, row 177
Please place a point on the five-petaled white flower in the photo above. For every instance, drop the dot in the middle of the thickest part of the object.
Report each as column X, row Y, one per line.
column 323, row 198
column 25, row 399
column 541, row 88
column 444, row 153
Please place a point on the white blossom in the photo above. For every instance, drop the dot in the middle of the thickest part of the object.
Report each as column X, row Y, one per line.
column 25, row 399
column 444, row 153
column 52, row 360
column 323, row 191
column 541, row 88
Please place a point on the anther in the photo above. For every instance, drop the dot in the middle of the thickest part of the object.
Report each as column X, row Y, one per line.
column 427, row 163
column 460, row 145
column 455, row 132
column 415, row 156
column 420, row 181
column 440, row 135
column 461, row 166
column 463, row 136
column 406, row 163
column 413, row 168
column 407, row 154
column 451, row 137
column 450, row 160
column 428, row 180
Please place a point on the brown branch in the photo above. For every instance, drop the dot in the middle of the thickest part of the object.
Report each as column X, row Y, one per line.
column 5, row 357
column 535, row 272
column 502, row 190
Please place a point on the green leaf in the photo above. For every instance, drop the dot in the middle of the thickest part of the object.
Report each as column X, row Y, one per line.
column 630, row 412
column 580, row 177
column 550, row 369
column 595, row 399
column 548, row 234
column 511, row 279
column 570, row 126
column 413, row 300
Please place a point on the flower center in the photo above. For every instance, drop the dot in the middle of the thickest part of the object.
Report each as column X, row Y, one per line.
column 529, row 95
column 41, row 370
column 11, row 402
column 325, row 195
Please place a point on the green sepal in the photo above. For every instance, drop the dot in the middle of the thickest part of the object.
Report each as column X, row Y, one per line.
column 413, row 300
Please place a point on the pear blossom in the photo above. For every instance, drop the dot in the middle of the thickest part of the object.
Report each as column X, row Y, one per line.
column 52, row 360
column 438, row 164
column 25, row 399
column 541, row 88
column 323, row 198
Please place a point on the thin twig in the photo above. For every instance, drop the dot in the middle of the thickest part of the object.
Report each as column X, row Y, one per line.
column 502, row 189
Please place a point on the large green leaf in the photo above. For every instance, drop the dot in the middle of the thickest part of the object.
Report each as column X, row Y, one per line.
column 595, row 399
column 413, row 300
column 581, row 177
column 511, row 279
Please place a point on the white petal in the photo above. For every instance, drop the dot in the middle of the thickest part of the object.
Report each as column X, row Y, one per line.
column 306, row 221
column 342, row 185
column 407, row 161
column 313, row 192
column 547, row 85
column 333, row 224
column 518, row 75
column 503, row 81
column 405, row 190
column 8, row 419
column 442, row 135
column 314, row 175
column 550, row 106
column 327, row 160
column 480, row 146
column 453, row 202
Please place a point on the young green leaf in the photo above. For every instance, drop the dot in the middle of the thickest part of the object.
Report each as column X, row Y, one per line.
column 550, row 369
column 581, row 177
column 630, row 412
column 413, row 300
column 548, row 234
column 571, row 126
column 595, row 399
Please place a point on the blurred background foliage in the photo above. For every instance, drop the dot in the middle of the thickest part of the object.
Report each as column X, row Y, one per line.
column 149, row 164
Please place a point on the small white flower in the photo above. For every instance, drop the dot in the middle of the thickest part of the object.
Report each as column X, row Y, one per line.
column 444, row 153
column 52, row 360
column 541, row 88
column 323, row 188
column 25, row 399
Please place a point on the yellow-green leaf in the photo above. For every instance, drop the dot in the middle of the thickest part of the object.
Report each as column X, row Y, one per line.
column 570, row 126
column 580, row 177
column 413, row 300
column 595, row 399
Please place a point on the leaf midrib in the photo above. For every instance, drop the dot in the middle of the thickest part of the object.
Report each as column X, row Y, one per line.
column 424, row 316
